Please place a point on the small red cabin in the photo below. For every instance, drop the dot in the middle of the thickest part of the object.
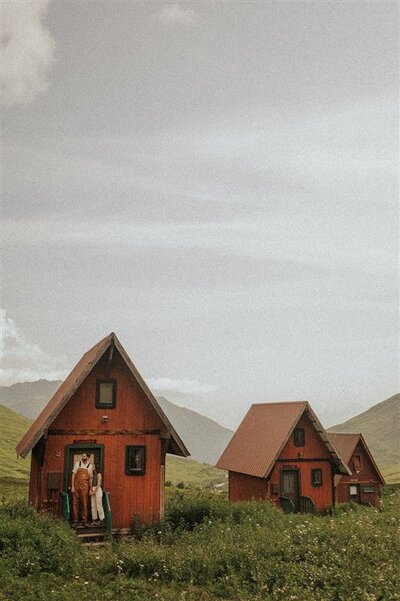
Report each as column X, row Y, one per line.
column 105, row 408
column 364, row 485
column 281, row 452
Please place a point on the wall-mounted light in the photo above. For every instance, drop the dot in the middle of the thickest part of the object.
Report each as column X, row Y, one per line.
column 104, row 419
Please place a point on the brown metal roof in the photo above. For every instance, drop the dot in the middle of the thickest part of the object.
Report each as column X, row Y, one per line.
column 346, row 443
column 72, row 383
column 263, row 433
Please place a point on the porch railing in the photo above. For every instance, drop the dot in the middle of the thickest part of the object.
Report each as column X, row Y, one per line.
column 287, row 505
column 107, row 512
column 65, row 506
column 306, row 505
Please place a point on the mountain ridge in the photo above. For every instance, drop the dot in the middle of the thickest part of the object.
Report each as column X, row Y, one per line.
column 380, row 426
column 206, row 439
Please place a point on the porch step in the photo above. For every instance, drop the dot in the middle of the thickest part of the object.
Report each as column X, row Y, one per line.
column 91, row 533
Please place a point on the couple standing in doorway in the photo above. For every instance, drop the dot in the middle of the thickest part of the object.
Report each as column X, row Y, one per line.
column 86, row 482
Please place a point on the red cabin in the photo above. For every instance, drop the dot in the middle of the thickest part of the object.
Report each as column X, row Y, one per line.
column 105, row 408
column 281, row 452
column 364, row 485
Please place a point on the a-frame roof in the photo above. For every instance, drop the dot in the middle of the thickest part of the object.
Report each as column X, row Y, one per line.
column 346, row 443
column 262, row 435
column 72, row 383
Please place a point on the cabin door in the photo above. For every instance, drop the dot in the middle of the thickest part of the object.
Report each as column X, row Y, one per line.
column 74, row 453
column 290, row 485
column 354, row 493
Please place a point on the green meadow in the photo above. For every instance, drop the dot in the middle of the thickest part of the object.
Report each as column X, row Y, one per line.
column 207, row 549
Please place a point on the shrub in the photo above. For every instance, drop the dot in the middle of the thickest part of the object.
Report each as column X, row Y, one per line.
column 31, row 542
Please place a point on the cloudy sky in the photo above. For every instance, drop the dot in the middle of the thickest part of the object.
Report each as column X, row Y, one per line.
column 216, row 182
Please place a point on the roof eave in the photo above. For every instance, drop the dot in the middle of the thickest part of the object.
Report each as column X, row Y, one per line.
column 26, row 449
column 337, row 459
column 26, row 445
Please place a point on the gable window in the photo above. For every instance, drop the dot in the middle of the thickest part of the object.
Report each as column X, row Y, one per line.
column 357, row 462
column 299, row 437
column 135, row 460
column 106, row 394
column 316, row 477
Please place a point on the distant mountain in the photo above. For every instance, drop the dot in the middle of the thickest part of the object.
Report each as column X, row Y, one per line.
column 380, row 426
column 28, row 398
column 204, row 438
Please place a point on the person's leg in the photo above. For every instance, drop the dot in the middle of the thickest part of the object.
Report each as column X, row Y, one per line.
column 94, row 508
column 75, row 507
column 99, row 503
column 84, row 493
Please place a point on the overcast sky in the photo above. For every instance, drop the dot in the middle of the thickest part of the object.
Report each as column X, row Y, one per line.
column 216, row 182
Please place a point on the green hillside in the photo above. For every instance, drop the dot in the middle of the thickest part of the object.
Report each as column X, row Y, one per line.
column 12, row 428
column 380, row 426
column 192, row 473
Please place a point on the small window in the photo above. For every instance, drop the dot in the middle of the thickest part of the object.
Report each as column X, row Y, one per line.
column 353, row 490
column 357, row 462
column 298, row 437
column 106, row 394
column 369, row 489
column 135, row 460
column 316, row 477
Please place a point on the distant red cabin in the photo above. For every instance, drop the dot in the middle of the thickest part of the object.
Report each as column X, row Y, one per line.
column 103, row 407
column 365, row 483
column 281, row 452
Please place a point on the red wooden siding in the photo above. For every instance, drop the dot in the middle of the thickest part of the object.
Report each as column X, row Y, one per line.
column 243, row 487
column 129, row 495
column 310, row 455
column 314, row 454
column 367, row 476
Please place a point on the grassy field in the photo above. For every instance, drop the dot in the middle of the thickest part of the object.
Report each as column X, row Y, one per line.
column 208, row 550
column 192, row 473
column 391, row 474
column 12, row 428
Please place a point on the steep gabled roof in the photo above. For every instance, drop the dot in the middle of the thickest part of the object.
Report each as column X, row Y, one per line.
column 346, row 443
column 262, row 435
column 72, row 383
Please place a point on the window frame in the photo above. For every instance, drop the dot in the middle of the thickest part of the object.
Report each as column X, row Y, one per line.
column 139, row 471
column 299, row 437
column 99, row 404
column 359, row 460
column 314, row 482
column 369, row 489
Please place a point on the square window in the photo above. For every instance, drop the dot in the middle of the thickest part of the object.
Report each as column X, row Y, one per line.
column 299, row 437
column 353, row 490
column 106, row 394
column 316, row 477
column 369, row 489
column 135, row 460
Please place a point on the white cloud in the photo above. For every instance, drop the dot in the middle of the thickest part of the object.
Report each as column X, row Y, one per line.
column 182, row 386
column 175, row 14
column 27, row 51
column 23, row 361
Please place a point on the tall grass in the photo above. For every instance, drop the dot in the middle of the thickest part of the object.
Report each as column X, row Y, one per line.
column 207, row 550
